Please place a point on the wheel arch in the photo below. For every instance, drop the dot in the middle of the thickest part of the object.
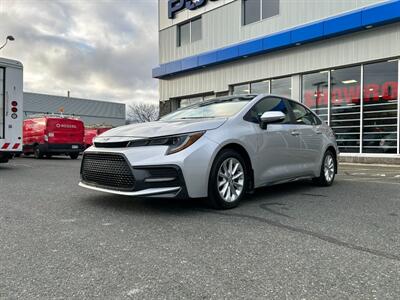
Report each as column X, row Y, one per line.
column 333, row 150
column 244, row 153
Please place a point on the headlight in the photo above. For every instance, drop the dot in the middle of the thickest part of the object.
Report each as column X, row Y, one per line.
column 180, row 142
column 175, row 143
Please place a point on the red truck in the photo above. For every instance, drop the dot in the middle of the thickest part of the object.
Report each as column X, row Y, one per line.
column 50, row 135
column 91, row 133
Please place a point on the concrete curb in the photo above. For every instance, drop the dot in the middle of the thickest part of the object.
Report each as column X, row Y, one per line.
column 370, row 160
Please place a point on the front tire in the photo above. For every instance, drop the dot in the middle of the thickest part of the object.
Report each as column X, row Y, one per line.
column 328, row 170
column 228, row 180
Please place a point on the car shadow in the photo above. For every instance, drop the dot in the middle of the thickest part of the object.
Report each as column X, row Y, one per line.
column 187, row 206
column 152, row 206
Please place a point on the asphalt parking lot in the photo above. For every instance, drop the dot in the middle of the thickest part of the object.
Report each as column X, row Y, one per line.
column 293, row 241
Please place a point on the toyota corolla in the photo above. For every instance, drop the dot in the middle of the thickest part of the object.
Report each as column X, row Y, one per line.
column 220, row 149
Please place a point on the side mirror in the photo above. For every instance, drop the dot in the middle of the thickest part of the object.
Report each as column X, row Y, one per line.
column 270, row 117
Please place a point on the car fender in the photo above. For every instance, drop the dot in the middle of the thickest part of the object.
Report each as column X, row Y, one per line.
column 327, row 146
column 241, row 142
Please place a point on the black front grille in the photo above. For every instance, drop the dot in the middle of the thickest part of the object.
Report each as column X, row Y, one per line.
column 107, row 170
column 112, row 145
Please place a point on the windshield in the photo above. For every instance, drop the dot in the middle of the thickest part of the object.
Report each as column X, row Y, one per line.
column 216, row 108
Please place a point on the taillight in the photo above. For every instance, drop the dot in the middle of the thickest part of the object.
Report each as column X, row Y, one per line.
column 14, row 109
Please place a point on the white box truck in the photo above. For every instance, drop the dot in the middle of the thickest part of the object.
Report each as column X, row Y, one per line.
column 11, row 108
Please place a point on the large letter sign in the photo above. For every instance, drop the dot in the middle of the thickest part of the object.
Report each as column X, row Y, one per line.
column 343, row 96
column 174, row 6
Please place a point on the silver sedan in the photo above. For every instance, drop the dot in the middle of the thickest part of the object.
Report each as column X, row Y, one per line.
column 220, row 149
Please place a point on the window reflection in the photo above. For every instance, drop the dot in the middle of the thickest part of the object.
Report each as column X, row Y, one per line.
column 315, row 93
column 189, row 101
column 240, row 89
column 282, row 87
column 380, row 107
column 345, row 107
column 261, row 87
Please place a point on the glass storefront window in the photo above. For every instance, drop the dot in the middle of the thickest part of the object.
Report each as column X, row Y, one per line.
column 380, row 107
column 315, row 93
column 282, row 87
column 261, row 87
column 240, row 89
column 345, row 108
column 368, row 125
column 196, row 99
column 189, row 101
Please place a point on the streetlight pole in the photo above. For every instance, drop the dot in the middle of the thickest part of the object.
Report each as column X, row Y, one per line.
column 8, row 38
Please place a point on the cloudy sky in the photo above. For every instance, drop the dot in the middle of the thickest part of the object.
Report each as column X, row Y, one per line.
column 98, row 49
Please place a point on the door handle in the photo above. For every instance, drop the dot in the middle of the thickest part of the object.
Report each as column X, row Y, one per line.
column 318, row 131
column 295, row 133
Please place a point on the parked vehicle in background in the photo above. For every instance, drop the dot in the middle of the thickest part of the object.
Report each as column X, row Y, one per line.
column 49, row 135
column 218, row 149
column 91, row 132
column 11, row 108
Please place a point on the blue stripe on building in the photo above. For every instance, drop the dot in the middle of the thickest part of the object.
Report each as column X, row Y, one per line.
column 357, row 20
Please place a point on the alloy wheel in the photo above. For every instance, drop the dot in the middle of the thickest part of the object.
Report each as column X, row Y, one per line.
column 230, row 179
column 329, row 168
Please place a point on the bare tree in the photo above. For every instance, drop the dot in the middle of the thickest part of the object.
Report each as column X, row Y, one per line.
column 141, row 112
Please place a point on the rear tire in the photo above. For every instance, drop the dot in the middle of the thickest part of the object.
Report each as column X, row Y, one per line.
column 74, row 155
column 37, row 153
column 328, row 170
column 228, row 180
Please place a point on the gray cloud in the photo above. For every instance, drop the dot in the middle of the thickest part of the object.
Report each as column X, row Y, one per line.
column 97, row 49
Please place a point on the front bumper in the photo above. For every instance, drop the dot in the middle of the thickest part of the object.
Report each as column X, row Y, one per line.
column 112, row 173
column 192, row 167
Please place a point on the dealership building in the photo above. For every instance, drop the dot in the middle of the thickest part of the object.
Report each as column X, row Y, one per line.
column 339, row 57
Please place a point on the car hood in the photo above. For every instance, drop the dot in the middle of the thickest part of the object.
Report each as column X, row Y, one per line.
column 163, row 128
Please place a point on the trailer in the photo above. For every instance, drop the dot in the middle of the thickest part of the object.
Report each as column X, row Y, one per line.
column 11, row 108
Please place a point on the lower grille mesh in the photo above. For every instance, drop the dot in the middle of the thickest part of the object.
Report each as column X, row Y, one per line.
column 107, row 170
